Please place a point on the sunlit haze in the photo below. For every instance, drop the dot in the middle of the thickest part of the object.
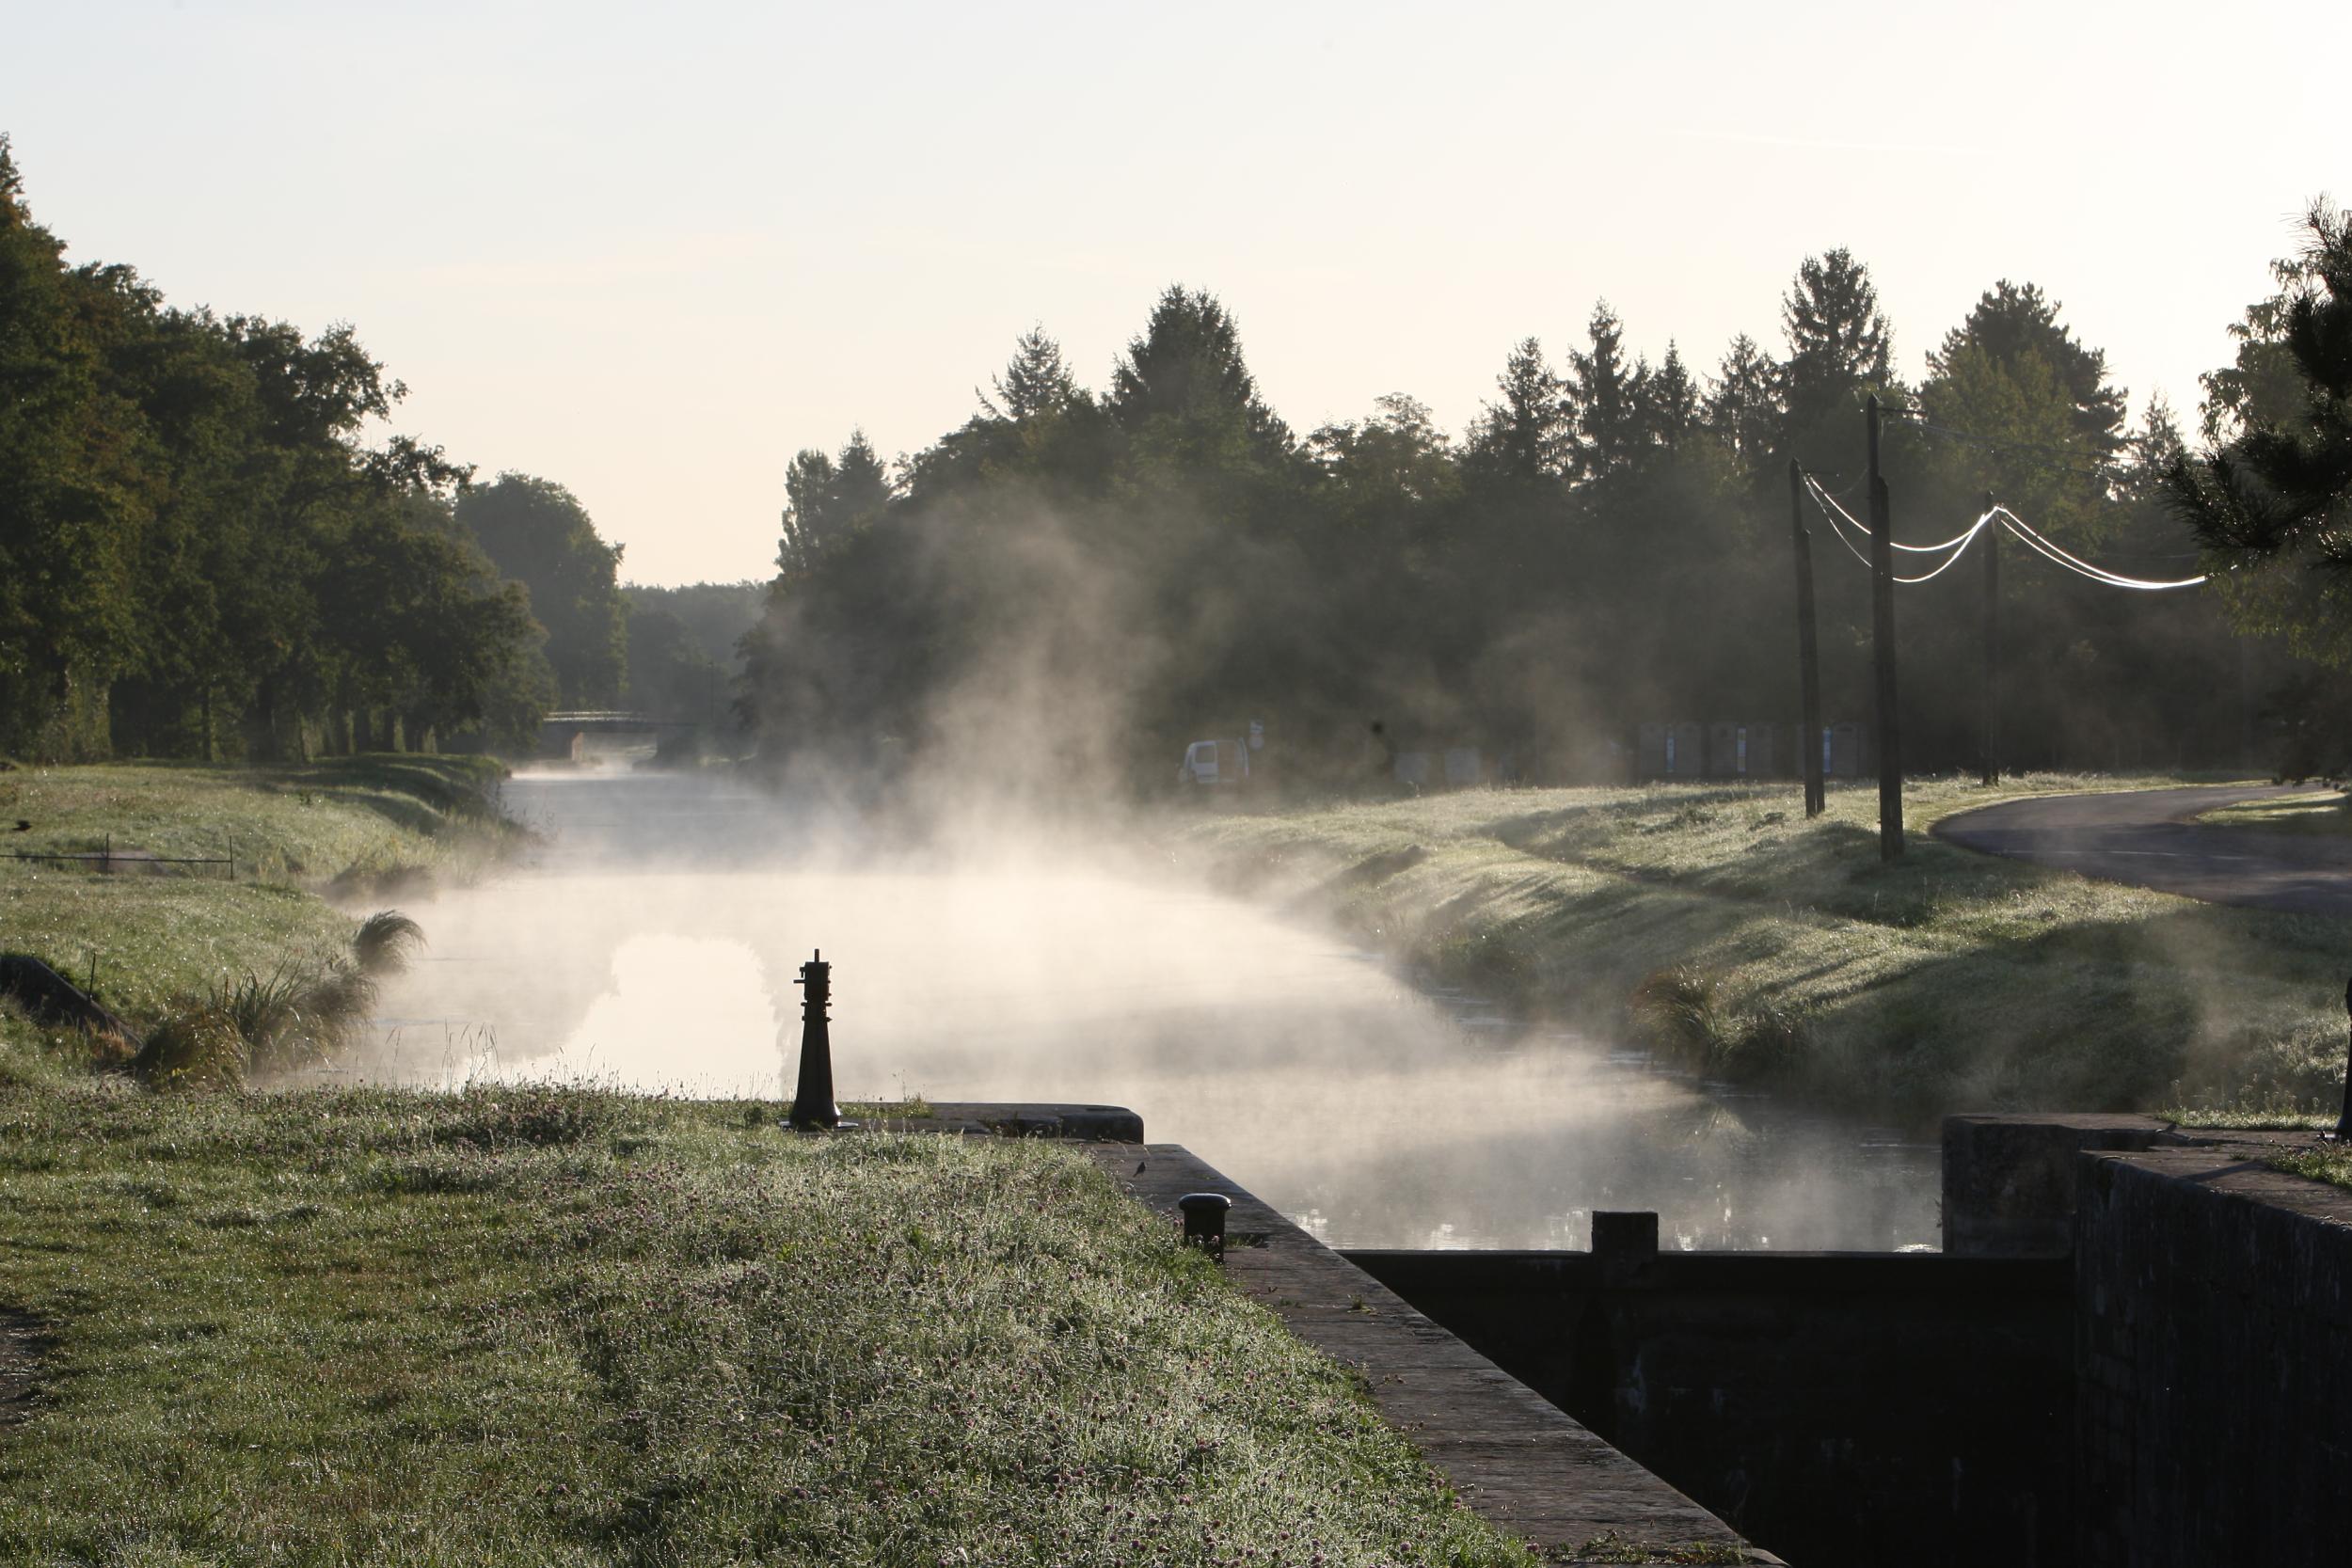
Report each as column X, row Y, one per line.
column 648, row 254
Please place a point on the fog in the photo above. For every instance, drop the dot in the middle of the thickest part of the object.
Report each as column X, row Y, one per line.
column 652, row 940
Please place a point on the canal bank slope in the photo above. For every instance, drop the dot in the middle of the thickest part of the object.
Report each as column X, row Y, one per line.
column 1718, row 925
column 152, row 885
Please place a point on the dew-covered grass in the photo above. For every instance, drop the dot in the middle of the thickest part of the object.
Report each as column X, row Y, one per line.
column 2325, row 813
column 2333, row 1165
column 1718, row 925
column 305, row 823
column 549, row 1325
column 144, row 944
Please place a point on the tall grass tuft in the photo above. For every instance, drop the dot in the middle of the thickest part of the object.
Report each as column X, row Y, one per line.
column 1690, row 1016
column 196, row 1048
column 299, row 1015
column 384, row 943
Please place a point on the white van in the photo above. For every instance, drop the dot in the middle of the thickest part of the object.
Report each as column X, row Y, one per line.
column 1214, row 762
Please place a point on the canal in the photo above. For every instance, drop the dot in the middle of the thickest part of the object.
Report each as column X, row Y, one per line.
column 652, row 939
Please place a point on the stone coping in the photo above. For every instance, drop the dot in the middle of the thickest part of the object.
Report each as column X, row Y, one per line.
column 1012, row 1119
column 1522, row 1463
column 2236, row 1165
column 1820, row 1273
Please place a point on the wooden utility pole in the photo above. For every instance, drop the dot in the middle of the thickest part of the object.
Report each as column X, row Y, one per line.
column 1808, row 650
column 1882, row 651
column 1992, row 644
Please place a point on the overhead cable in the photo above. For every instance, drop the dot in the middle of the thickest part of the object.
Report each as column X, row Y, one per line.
column 2080, row 568
column 1841, row 520
column 1958, row 544
column 1957, row 540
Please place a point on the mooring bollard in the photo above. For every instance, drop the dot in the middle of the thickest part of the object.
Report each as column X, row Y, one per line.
column 1204, row 1221
column 1629, row 1235
column 812, row 1101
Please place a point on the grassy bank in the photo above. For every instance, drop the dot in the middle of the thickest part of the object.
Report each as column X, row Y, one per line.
column 146, row 942
column 2323, row 813
column 1717, row 924
column 551, row 1327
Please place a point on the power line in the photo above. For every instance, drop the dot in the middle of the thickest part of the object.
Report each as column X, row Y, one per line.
column 2074, row 563
column 1841, row 520
column 1957, row 544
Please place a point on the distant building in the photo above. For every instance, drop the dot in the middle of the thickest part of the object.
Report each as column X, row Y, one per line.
column 1670, row 750
column 1747, row 749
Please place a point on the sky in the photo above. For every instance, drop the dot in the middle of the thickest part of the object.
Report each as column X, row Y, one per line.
column 651, row 252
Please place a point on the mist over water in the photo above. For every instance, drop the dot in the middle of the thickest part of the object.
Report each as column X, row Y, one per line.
column 652, row 943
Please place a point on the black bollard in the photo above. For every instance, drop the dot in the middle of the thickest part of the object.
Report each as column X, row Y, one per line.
column 2343, row 1120
column 812, row 1103
column 1204, row 1221
column 1630, row 1234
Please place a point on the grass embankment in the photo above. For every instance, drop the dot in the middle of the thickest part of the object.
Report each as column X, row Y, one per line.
column 145, row 944
column 563, row 1326
column 2323, row 815
column 1722, row 925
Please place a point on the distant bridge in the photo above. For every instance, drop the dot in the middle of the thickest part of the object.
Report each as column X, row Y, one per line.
column 613, row 718
column 574, row 734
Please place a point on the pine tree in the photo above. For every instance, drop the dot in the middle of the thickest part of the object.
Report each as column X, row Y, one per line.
column 1744, row 407
column 1671, row 411
column 1524, row 437
column 1607, row 397
column 1035, row 384
column 2281, row 488
column 1187, row 365
column 1839, row 342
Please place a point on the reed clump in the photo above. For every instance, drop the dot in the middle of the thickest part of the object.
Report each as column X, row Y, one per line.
column 303, row 1013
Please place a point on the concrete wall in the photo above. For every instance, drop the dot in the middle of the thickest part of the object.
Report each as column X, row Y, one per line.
column 2214, row 1349
column 2009, row 1180
column 1835, row 1408
column 2138, row 1354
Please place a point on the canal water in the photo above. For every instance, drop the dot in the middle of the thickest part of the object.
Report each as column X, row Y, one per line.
column 653, row 940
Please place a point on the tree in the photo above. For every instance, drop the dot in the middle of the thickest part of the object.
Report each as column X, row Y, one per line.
column 828, row 500
column 1672, row 409
column 2010, row 421
column 2277, row 492
column 2011, row 323
column 74, row 500
column 1035, row 385
column 1606, row 398
column 1398, row 453
column 1188, row 367
column 1839, row 342
column 1524, row 437
column 539, row 536
column 1743, row 406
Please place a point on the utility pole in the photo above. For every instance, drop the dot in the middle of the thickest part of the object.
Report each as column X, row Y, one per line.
column 1992, row 644
column 1808, row 650
column 1882, row 651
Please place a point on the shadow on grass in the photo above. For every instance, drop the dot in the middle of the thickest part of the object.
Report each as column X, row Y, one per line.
column 423, row 793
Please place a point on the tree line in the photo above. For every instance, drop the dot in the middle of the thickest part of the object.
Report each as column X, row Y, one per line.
column 1074, row 580
column 201, row 556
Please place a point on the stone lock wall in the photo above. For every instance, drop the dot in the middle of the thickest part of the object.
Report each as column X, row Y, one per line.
column 2214, row 1362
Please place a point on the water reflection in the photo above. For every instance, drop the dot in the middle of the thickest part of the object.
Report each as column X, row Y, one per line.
column 654, row 942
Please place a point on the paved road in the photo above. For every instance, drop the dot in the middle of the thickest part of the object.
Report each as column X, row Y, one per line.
column 2146, row 837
